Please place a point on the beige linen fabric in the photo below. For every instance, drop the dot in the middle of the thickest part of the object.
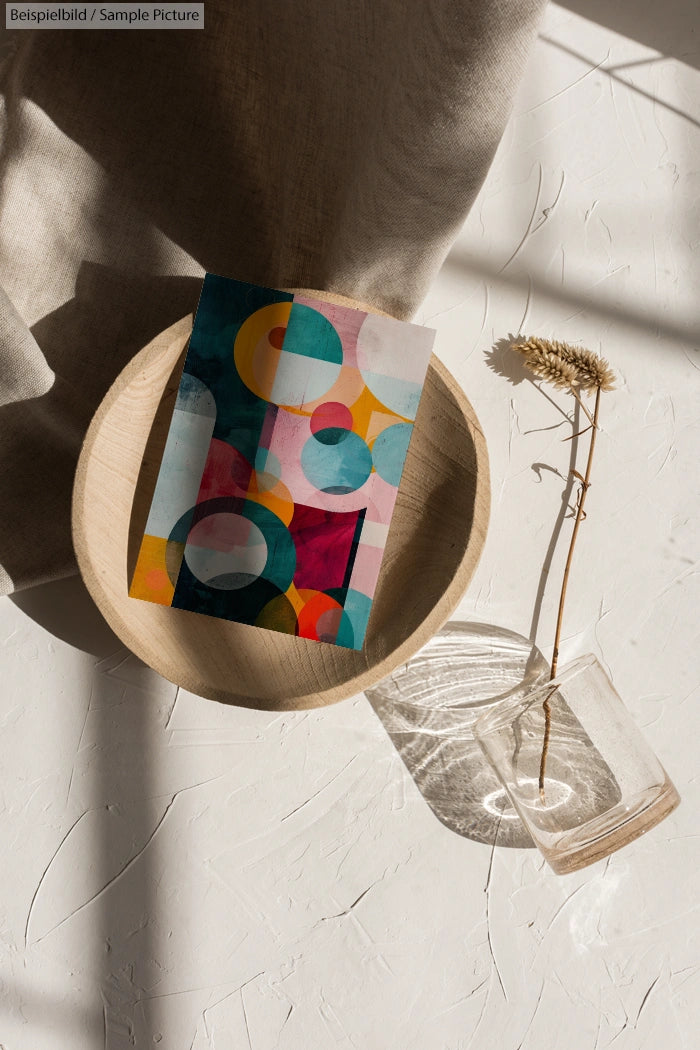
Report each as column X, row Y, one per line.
column 315, row 143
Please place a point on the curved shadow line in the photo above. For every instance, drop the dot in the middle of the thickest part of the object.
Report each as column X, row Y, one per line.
column 579, row 299
column 621, row 80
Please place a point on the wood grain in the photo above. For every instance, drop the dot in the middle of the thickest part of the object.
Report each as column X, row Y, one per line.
column 434, row 543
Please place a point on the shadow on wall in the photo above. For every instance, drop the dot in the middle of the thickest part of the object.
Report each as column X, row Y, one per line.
column 86, row 342
column 578, row 298
column 673, row 28
column 103, row 876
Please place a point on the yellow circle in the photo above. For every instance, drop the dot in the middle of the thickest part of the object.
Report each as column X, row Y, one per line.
column 256, row 358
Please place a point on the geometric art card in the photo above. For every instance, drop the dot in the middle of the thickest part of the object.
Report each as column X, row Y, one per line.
column 282, row 463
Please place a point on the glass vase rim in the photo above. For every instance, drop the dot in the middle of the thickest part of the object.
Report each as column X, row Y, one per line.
column 504, row 712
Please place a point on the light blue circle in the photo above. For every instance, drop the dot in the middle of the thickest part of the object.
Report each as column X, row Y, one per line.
column 356, row 609
column 338, row 468
column 389, row 452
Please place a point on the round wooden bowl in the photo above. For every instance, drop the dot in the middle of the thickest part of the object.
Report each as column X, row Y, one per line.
column 434, row 543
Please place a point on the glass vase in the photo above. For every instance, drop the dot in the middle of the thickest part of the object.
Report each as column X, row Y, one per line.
column 583, row 779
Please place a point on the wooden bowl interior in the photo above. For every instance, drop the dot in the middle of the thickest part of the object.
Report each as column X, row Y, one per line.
column 434, row 543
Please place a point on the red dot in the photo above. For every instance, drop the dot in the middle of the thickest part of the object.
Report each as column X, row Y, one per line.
column 276, row 336
column 331, row 414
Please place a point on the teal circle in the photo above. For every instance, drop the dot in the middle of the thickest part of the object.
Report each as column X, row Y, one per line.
column 331, row 435
column 337, row 468
column 267, row 462
column 356, row 610
column 389, row 452
column 281, row 561
column 234, row 566
column 310, row 361
column 310, row 334
column 281, row 553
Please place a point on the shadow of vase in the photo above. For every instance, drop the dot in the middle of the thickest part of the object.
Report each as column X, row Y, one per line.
column 429, row 707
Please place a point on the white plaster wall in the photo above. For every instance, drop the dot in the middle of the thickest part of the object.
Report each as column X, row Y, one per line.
column 182, row 875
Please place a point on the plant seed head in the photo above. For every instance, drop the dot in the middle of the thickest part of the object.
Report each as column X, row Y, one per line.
column 565, row 365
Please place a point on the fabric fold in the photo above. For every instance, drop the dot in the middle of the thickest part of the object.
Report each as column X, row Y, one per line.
column 307, row 145
column 24, row 371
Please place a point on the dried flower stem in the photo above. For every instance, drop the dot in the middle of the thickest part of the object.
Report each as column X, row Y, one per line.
column 547, row 707
column 585, row 485
column 575, row 369
column 583, row 406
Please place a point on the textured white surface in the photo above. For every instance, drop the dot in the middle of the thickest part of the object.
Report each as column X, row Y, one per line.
column 194, row 877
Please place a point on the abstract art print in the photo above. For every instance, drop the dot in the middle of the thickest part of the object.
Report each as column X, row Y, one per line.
column 282, row 463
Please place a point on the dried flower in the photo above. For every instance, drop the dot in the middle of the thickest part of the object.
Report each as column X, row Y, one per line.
column 549, row 366
column 564, row 365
